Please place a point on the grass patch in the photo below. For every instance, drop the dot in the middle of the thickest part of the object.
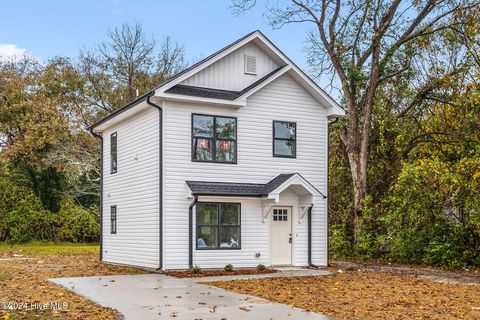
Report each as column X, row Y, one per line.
column 44, row 248
column 5, row 277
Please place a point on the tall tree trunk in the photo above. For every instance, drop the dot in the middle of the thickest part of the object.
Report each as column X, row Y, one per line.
column 358, row 166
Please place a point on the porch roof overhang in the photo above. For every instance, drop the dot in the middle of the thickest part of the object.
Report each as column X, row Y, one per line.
column 270, row 190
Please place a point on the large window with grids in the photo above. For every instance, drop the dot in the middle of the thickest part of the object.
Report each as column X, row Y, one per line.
column 218, row 225
column 214, row 138
column 284, row 139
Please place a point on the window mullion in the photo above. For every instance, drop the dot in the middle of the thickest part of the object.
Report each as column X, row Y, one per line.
column 218, row 225
column 214, row 156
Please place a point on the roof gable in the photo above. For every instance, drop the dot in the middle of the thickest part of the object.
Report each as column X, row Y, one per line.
column 277, row 64
column 195, row 76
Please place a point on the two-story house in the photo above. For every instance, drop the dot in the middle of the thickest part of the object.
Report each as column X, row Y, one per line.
column 224, row 163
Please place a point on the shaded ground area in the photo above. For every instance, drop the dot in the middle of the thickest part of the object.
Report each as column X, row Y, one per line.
column 440, row 275
column 370, row 294
column 23, row 279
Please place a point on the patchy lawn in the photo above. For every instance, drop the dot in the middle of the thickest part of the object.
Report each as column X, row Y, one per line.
column 370, row 294
column 42, row 248
column 23, row 279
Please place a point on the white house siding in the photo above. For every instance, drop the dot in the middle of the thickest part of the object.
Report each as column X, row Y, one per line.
column 134, row 189
column 228, row 73
column 283, row 99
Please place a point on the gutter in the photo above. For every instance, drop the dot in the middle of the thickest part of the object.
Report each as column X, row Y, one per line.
column 190, row 231
column 160, row 178
column 100, row 137
column 310, row 239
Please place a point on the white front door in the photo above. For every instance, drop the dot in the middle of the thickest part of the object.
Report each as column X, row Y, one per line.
column 281, row 236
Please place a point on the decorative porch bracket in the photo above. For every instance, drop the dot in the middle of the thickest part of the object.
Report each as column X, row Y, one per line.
column 267, row 209
column 303, row 211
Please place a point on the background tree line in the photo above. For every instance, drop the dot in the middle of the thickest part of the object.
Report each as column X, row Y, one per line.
column 404, row 163
column 49, row 168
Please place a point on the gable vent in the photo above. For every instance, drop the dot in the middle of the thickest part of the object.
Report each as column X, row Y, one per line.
column 250, row 64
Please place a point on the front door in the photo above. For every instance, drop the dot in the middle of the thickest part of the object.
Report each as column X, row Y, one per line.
column 281, row 236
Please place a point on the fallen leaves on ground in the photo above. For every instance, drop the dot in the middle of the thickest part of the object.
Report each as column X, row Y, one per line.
column 367, row 295
column 25, row 280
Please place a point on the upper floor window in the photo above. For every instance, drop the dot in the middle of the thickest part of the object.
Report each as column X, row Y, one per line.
column 113, row 152
column 214, row 138
column 284, row 139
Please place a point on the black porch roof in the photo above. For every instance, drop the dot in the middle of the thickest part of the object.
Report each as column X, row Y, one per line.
column 204, row 188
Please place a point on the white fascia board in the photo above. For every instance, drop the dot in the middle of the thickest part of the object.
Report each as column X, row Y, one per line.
column 325, row 97
column 211, row 61
column 122, row 116
column 193, row 99
column 297, row 180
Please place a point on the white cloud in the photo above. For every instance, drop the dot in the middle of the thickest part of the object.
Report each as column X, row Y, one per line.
column 9, row 52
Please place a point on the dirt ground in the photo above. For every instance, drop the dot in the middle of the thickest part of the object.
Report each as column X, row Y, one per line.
column 374, row 291
column 24, row 280
column 354, row 291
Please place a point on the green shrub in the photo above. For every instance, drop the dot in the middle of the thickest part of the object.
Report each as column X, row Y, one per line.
column 443, row 254
column 340, row 247
column 196, row 270
column 261, row 267
column 22, row 217
column 228, row 267
column 77, row 224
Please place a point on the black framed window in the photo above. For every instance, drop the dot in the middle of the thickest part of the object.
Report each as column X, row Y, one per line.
column 284, row 139
column 214, row 138
column 113, row 152
column 113, row 219
column 218, row 225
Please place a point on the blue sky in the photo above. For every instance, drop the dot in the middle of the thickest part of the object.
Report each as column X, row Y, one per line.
column 61, row 27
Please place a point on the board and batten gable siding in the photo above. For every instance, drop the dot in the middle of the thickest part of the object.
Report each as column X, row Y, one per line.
column 283, row 99
column 134, row 189
column 228, row 73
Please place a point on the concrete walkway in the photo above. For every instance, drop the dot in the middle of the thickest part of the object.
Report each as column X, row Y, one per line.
column 157, row 296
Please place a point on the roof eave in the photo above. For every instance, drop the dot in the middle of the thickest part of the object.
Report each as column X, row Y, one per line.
column 193, row 99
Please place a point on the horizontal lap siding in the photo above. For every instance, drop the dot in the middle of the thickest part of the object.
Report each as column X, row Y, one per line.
column 134, row 190
column 283, row 99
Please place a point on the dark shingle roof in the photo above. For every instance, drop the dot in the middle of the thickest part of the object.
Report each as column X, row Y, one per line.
column 217, row 93
column 203, row 92
column 237, row 189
